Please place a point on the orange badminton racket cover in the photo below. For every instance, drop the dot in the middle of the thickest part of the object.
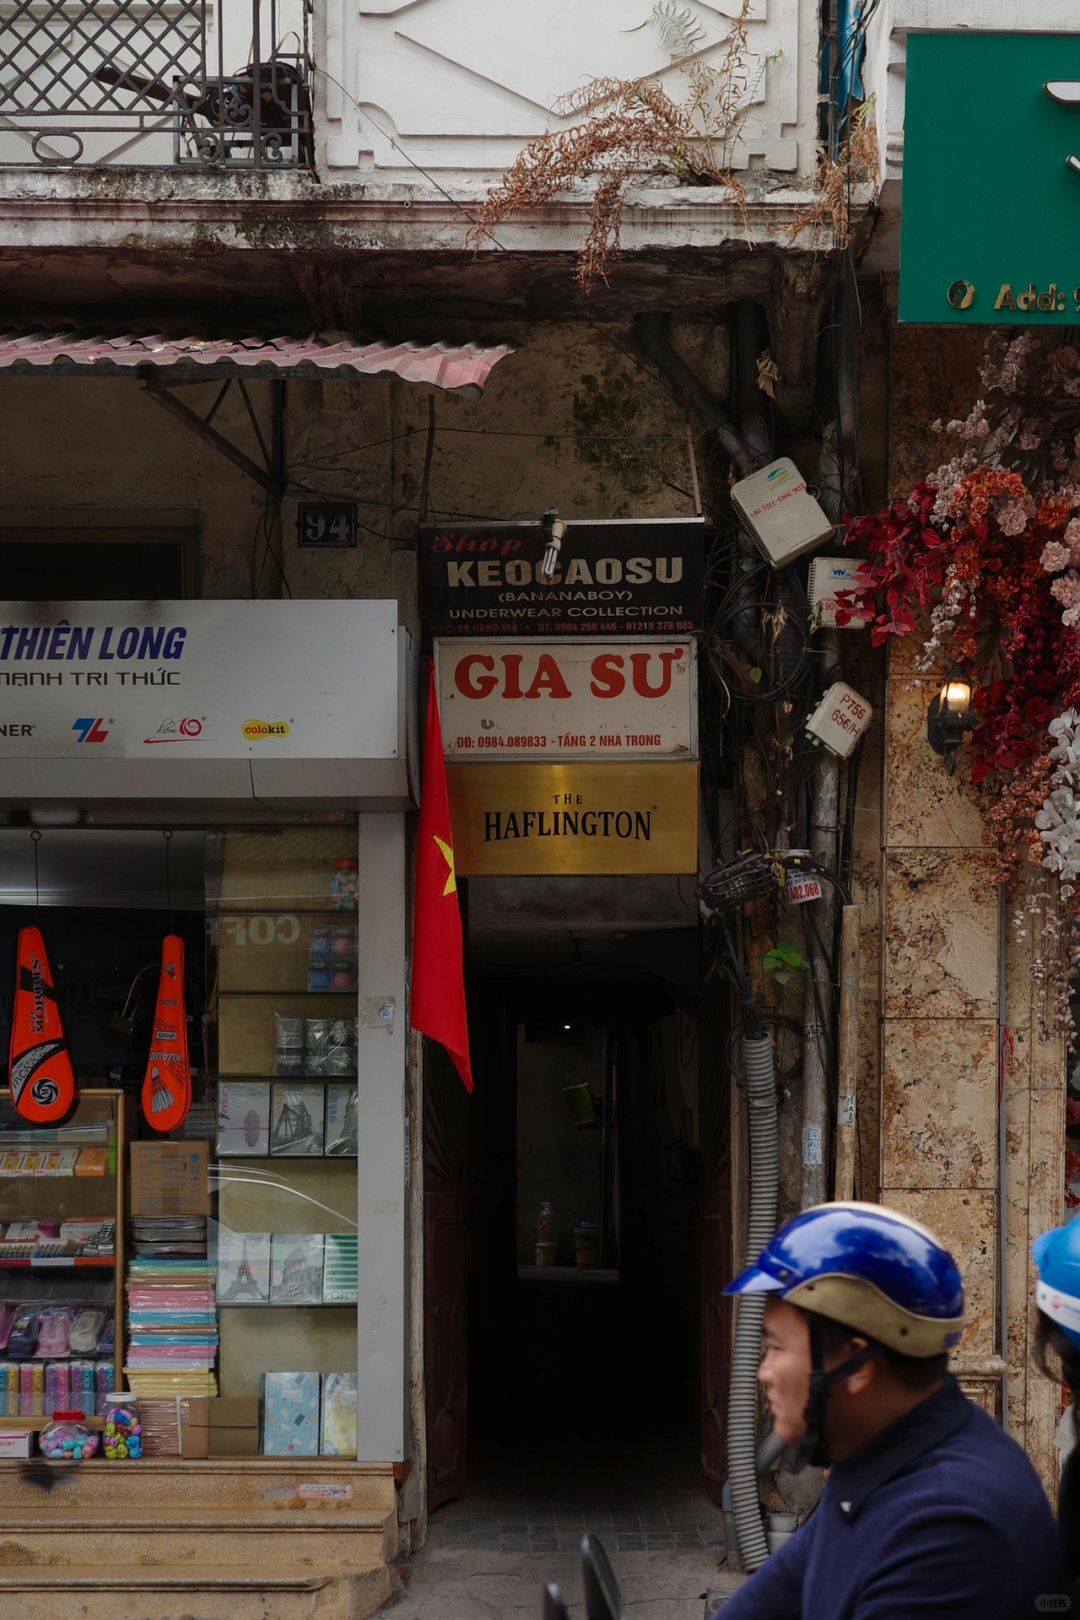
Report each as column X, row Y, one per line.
column 166, row 1087
column 40, row 1075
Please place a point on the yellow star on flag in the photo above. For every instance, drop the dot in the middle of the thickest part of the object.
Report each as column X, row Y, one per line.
column 451, row 876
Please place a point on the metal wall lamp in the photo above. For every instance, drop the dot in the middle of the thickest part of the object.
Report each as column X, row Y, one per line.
column 950, row 715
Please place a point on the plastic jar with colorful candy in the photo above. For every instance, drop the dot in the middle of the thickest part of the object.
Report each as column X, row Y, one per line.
column 67, row 1439
column 123, row 1427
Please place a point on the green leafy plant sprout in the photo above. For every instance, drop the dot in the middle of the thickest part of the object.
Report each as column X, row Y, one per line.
column 784, row 960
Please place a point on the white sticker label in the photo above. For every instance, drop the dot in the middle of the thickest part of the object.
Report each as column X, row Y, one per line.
column 801, row 889
column 845, row 1112
column 326, row 1493
column 811, row 1144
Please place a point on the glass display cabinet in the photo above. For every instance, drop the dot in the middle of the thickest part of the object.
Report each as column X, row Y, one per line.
column 282, row 930
column 62, row 1197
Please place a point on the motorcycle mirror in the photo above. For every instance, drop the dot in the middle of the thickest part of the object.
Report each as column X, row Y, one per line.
column 603, row 1600
column 554, row 1607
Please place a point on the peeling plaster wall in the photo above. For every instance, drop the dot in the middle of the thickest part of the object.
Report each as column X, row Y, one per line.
column 934, row 1020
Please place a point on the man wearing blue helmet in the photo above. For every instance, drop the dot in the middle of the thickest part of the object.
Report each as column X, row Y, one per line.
column 930, row 1511
column 1057, row 1294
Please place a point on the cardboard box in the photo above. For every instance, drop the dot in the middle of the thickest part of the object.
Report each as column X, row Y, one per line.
column 194, row 1442
column 16, row 1443
column 234, row 1411
column 234, row 1442
column 170, row 1178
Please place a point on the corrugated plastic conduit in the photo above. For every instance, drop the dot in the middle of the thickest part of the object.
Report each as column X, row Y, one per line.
column 742, row 1395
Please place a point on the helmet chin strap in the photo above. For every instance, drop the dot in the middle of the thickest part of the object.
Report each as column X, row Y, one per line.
column 813, row 1448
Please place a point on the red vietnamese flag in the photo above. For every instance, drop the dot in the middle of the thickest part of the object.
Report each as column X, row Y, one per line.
column 438, row 984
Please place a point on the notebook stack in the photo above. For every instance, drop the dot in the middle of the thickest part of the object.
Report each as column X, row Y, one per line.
column 172, row 1309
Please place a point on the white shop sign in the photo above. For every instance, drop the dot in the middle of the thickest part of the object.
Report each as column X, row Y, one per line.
column 199, row 680
column 603, row 699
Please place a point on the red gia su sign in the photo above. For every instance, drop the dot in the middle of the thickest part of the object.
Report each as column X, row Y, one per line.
column 580, row 700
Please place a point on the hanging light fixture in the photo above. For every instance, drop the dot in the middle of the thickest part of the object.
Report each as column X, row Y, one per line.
column 554, row 532
column 950, row 715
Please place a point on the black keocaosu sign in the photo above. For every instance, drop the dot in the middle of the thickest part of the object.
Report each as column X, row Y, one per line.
column 610, row 579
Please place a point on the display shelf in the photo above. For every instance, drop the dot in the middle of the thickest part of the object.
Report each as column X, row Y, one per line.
column 291, row 995
column 295, row 1158
column 287, row 1305
column 338, row 915
column 23, row 1424
column 7, row 1176
column 100, row 1120
column 75, row 1263
column 291, row 1079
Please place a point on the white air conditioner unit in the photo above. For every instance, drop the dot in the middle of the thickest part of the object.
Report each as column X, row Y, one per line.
column 778, row 512
column 827, row 576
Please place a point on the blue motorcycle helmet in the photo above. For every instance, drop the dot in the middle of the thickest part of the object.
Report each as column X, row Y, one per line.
column 1057, row 1293
column 872, row 1270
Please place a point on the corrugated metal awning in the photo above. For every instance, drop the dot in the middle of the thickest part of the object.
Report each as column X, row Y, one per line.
column 71, row 349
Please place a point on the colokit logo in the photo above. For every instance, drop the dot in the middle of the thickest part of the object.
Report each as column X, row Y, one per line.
column 256, row 730
column 189, row 729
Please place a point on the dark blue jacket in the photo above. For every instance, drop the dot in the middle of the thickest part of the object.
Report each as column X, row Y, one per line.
column 939, row 1517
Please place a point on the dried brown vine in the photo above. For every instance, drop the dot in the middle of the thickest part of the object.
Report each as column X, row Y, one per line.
column 632, row 129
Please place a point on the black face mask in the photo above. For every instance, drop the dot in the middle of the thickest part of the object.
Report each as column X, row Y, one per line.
column 813, row 1448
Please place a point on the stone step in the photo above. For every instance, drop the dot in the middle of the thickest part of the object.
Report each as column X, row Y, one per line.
column 231, row 1484
column 58, row 1534
column 183, row 1591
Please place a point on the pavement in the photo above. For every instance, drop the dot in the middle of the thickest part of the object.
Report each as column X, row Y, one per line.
column 488, row 1556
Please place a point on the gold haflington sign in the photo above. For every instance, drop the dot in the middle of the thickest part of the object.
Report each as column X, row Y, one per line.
column 518, row 820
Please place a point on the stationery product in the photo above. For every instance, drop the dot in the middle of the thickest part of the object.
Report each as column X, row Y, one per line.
column 341, row 1136
column 289, row 1045
column 57, row 1387
column 337, row 1426
column 24, row 1331
column 243, row 1118
column 32, row 1390
column 296, row 1268
column 291, row 1414
column 104, row 1378
column 330, row 1046
column 9, row 1389
column 53, row 1331
column 83, row 1394
column 86, row 1331
column 243, row 1261
column 296, row 1121
column 92, row 1161
column 339, row 1268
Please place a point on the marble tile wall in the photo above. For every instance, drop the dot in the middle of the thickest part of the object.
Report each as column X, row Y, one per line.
column 936, row 1017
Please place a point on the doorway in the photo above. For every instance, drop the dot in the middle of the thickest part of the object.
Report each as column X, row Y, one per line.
column 582, row 1203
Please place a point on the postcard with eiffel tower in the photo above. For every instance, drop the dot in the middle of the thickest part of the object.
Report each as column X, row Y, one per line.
column 243, row 1267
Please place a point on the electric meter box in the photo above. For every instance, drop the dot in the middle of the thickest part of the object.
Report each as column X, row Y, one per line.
column 779, row 513
column 840, row 719
column 827, row 576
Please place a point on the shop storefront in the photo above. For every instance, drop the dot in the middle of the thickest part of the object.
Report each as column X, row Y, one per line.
column 205, row 811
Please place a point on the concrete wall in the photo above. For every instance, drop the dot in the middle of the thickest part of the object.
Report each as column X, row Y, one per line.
column 569, row 420
column 461, row 85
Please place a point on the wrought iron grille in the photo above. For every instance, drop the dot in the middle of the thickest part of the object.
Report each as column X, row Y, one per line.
column 131, row 82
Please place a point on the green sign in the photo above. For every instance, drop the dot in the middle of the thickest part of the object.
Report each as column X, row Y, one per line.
column 990, row 225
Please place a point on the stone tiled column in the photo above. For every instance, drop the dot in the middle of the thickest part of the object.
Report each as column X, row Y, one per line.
column 939, row 1058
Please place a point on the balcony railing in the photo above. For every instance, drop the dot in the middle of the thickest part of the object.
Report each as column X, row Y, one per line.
column 201, row 83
